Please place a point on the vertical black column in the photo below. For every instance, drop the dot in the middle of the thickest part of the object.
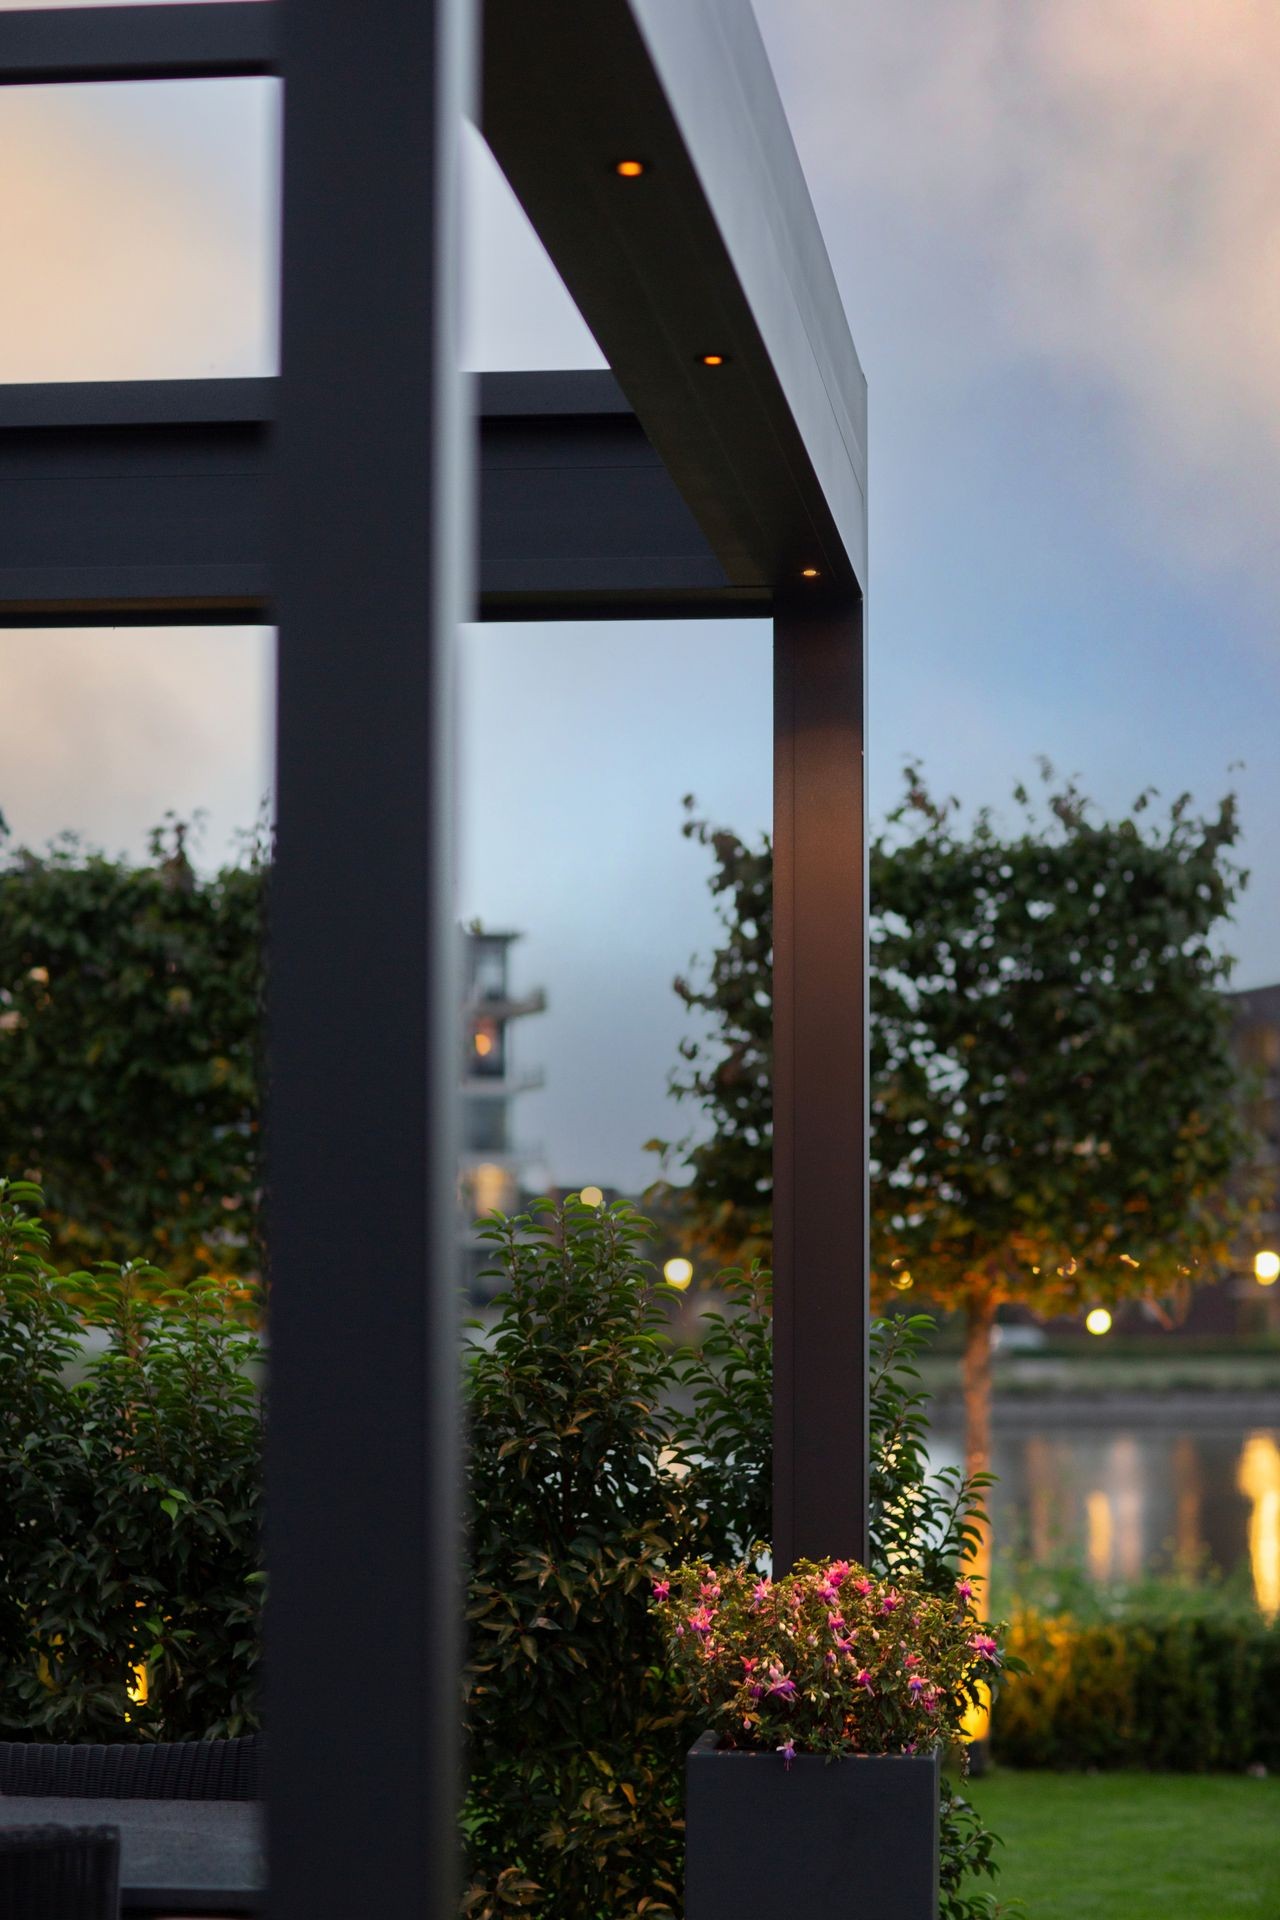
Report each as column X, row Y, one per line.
column 373, row 563
column 820, row 1210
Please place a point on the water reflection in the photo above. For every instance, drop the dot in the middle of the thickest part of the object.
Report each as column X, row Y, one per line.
column 1258, row 1479
column 1133, row 1500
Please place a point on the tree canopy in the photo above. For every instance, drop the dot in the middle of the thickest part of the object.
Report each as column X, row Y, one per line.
column 1054, row 1110
column 130, row 1018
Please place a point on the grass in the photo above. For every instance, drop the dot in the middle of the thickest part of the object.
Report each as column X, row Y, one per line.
column 1132, row 1846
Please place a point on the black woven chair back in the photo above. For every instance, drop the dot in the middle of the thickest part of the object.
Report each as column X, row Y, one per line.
column 179, row 1770
column 60, row 1873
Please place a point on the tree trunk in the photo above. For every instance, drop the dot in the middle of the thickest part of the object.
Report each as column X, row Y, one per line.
column 980, row 1314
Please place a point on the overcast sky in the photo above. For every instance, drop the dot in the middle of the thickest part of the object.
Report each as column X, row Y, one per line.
column 1056, row 227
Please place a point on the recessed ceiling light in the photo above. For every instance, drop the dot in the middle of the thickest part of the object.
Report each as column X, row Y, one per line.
column 713, row 359
column 630, row 169
column 808, row 573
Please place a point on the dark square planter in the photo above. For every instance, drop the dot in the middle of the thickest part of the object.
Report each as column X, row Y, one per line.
column 848, row 1839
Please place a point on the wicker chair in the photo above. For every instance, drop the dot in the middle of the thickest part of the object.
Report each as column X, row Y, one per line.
column 59, row 1873
column 182, row 1770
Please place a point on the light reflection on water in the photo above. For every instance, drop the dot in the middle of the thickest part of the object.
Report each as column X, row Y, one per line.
column 1125, row 1501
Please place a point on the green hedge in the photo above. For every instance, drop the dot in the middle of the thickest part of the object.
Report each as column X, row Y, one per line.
column 1173, row 1694
column 130, row 1477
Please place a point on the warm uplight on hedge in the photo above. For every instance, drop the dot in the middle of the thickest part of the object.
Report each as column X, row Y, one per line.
column 591, row 1197
column 678, row 1273
column 630, row 169
column 1098, row 1320
column 1266, row 1267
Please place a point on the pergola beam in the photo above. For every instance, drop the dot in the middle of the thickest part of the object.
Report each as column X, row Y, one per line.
column 714, row 248
column 147, row 502
column 229, row 40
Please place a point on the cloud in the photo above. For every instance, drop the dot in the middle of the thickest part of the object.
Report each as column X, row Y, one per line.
column 102, row 730
column 1092, row 186
column 138, row 230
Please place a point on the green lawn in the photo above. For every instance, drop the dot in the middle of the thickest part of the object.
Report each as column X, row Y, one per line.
column 1132, row 1846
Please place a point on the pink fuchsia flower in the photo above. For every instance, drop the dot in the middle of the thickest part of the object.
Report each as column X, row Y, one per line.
column 710, row 1590
column 838, row 1572
column 912, row 1660
column 964, row 1589
column 910, row 1747
column 661, row 1588
column 700, row 1620
column 749, row 1665
column 985, row 1646
column 755, row 1691
column 788, row 1752
column 781, row 1686
column 891, row 1602
column 862, row 1585
column 916, row 1686
column 760, row 1593
column 864, row 1680
column 836, row 1624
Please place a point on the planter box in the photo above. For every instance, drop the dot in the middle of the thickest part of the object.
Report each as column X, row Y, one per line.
column 848, row 1839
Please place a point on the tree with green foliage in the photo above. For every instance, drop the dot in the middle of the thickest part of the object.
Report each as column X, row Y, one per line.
column 1054, row 1099
column 588, row 1477
column 130, row 1020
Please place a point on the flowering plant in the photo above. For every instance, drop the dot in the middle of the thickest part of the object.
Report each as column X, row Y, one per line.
column 828, row 1659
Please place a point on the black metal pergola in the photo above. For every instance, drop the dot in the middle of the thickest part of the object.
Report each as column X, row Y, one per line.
column 717, row 469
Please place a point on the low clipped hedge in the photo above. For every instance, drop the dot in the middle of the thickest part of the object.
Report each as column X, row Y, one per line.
column 1180, row 1695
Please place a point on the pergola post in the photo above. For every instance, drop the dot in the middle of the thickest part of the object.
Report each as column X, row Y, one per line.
column 820, row 1208
column 373, row 574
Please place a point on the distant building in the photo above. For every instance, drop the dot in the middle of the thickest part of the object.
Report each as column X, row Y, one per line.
column 492, row 1161
column 1257, row 1046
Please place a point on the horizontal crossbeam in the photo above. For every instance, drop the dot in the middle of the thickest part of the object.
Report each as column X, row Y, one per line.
column 147, row 502
column 231, row 39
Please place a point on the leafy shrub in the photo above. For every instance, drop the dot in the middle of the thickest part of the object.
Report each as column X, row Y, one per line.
column 824, row 1659
column 1164, row 1690
column 129, row 1500
column 584, row 1482
column 130, row 1024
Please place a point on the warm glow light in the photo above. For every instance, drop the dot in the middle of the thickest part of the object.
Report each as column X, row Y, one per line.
column 902, row 1281
column 678, row 1273
column 591, row 1197
column 484, row 1043
column 1098, row 1320
column 976, row 1723
column 712, row 359
column 630, row 169
column 808, row 573
column 491, row 1187
column 1258, row 1478
column 1099, row 1533
column 1266, row 1267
